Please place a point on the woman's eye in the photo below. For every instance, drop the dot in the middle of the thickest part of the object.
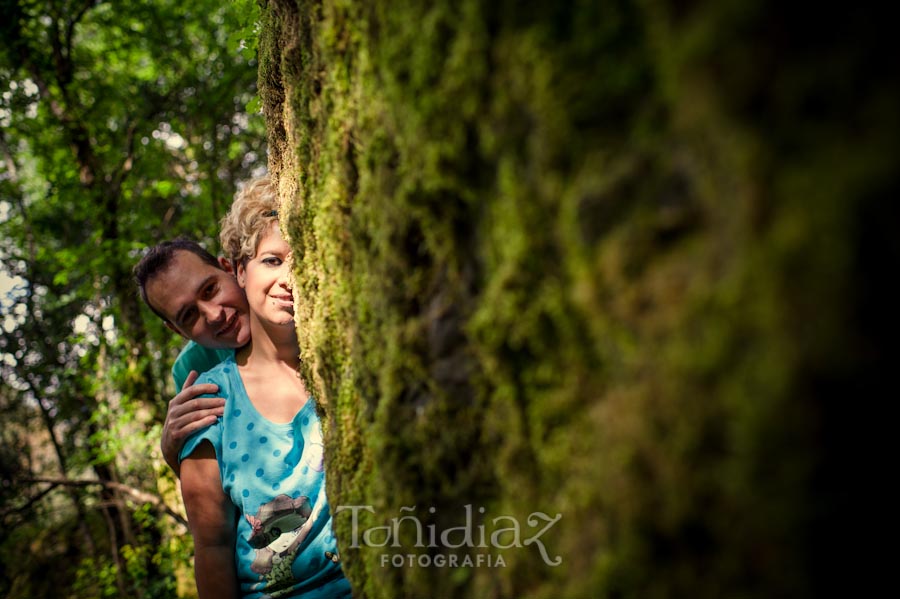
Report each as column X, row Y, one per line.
column 272, row 261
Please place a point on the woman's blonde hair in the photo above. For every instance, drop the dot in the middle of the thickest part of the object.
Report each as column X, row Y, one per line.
column 254, row 209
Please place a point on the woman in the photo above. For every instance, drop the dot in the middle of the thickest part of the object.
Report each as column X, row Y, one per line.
column 261, row 464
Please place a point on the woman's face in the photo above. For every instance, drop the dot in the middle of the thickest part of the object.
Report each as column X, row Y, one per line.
column 267, row 279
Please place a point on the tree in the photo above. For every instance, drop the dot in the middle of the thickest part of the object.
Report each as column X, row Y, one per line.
column 122, row 124
column 619, row 261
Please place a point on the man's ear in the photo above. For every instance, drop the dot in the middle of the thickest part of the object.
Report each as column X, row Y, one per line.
column 226, row 264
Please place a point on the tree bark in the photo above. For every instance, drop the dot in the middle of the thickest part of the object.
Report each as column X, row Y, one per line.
column 620, row 261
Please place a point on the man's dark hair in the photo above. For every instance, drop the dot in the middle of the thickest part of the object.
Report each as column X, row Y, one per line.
column 158, row 259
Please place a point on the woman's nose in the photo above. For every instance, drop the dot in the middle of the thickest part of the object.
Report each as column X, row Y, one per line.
column 285, row 279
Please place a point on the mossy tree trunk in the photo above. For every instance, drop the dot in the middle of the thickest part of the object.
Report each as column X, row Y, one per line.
column 611, row 260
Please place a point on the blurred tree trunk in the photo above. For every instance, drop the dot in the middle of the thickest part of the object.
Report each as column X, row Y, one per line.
column 619, row 261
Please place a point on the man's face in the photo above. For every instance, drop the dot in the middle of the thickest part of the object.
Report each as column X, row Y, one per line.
column 201, row 302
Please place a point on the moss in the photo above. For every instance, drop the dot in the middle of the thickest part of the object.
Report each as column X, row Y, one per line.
column 594, row 259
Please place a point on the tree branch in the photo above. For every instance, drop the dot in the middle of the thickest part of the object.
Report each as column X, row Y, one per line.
column 29, row 502
column 70, row 25
column 8, row 158
column 136, row 494
column 76, row 133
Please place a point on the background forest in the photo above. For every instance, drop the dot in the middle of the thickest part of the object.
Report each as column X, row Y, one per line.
column 121, row 124
column 626, row 261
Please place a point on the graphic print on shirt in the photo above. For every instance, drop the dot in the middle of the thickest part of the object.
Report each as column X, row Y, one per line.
column 279, row 528
column 314, row 456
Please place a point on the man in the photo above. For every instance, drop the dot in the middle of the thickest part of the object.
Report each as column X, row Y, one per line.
column 198, row 297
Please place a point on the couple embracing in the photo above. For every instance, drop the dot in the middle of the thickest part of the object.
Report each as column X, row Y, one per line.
column 245, row 435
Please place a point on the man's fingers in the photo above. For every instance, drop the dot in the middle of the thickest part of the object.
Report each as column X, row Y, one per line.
column 191, row 377
column 204, row 418
column 209, row 409
column 205, row 403
column 188, row 407
column 193, row 391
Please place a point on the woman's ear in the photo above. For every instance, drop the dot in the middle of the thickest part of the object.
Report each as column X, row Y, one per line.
column 241, row 273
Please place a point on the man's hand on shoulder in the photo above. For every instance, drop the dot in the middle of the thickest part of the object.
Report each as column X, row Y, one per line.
column 188, row 413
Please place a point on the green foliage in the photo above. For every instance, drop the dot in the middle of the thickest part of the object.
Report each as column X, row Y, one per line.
column 606, row 260
column 243, row 26
column 96, row 579
column 121, row 124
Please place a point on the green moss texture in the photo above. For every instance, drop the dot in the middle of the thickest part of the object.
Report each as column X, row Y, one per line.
column 614, row 260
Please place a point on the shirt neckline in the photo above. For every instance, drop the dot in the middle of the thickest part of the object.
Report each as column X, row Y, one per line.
column 246, row 399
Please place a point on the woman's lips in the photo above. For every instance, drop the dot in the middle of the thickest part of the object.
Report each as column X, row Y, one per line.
column 284, row 300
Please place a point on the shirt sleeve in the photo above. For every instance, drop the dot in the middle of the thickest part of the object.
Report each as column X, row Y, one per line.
column 196, row 357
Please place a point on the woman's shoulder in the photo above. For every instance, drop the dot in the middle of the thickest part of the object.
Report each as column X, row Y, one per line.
column 224, row 371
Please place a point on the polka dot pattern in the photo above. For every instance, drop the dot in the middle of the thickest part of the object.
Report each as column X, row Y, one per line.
column 274, row 460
